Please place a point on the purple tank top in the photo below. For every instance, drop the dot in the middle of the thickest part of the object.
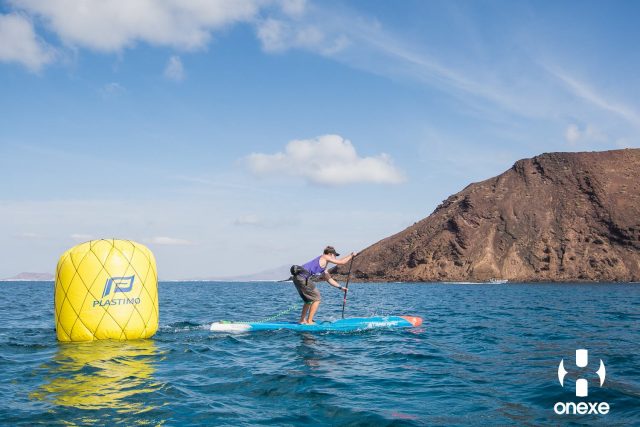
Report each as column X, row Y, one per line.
column 313, row 267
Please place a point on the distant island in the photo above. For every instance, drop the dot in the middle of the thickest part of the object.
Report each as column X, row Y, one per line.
column 271, row 275
column 556, row 217
column 30, row 277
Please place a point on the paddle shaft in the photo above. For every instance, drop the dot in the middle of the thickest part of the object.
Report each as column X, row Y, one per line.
column 344, row 301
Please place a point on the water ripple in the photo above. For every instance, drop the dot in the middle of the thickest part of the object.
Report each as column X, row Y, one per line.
column 485, row 355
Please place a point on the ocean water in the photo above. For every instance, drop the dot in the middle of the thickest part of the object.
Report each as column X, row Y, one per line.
column 485, row 355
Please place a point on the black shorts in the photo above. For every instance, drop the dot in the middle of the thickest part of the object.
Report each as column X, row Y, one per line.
column 306, row 288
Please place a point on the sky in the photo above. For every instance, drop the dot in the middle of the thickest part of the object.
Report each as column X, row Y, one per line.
column 236, row 136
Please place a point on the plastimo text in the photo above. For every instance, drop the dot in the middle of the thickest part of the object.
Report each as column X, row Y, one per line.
column 116, row 301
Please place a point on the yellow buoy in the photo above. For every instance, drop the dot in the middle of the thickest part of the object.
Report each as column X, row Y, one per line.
column 106, row 289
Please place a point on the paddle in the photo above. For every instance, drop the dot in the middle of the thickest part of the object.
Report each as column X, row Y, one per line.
column 344, row 301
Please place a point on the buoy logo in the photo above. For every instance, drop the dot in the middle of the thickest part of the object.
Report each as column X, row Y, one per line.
column 582, row 388
column 119, row 284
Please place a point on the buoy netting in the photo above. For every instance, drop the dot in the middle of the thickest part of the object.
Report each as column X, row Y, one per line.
column 106, row 289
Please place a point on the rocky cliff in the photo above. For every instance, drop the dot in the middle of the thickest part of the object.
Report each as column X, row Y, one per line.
column 555, row 217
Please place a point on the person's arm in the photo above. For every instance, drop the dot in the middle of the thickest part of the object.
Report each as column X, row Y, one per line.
column 330, row 280
column 342, row 261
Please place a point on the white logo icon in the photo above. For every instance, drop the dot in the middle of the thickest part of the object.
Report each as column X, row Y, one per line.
column 582, row 360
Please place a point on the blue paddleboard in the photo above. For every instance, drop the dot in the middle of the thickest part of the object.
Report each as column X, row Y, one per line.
column 350, row 324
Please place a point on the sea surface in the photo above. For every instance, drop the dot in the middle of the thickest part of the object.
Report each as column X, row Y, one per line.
column 485, row 355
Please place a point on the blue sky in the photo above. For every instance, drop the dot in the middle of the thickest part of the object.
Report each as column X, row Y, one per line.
column 236, row 136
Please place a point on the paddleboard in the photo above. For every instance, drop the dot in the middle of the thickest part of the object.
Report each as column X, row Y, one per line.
column 343, row 325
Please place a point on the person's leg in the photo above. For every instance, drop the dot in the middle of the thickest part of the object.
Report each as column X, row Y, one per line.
column 305, row 311
column 312, row 311
column 300, row 285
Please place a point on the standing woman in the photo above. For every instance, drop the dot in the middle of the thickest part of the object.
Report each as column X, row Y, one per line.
column 303, row 279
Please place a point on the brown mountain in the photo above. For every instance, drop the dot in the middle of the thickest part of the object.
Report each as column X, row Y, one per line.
column 555, row 217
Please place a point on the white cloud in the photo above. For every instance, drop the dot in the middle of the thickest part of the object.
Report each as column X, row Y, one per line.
column 19, row 43
column 168, row 241
column 271, row 34
column 365, row 44
column 278, row 36
column 112, row 90
column 300, row 27
column 326, row 160
column 588, row 133
column 29, row 236
column 587, row 93
column 294, row 8
column 81, row 237
column 112, row 25
column 572, row 134
column 174, row 69
column 594, row 134
column 251, row 219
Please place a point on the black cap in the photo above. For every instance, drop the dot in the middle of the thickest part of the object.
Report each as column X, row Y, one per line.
column 330, row 250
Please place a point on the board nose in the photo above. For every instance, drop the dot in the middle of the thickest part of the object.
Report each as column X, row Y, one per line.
column 414, row 320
